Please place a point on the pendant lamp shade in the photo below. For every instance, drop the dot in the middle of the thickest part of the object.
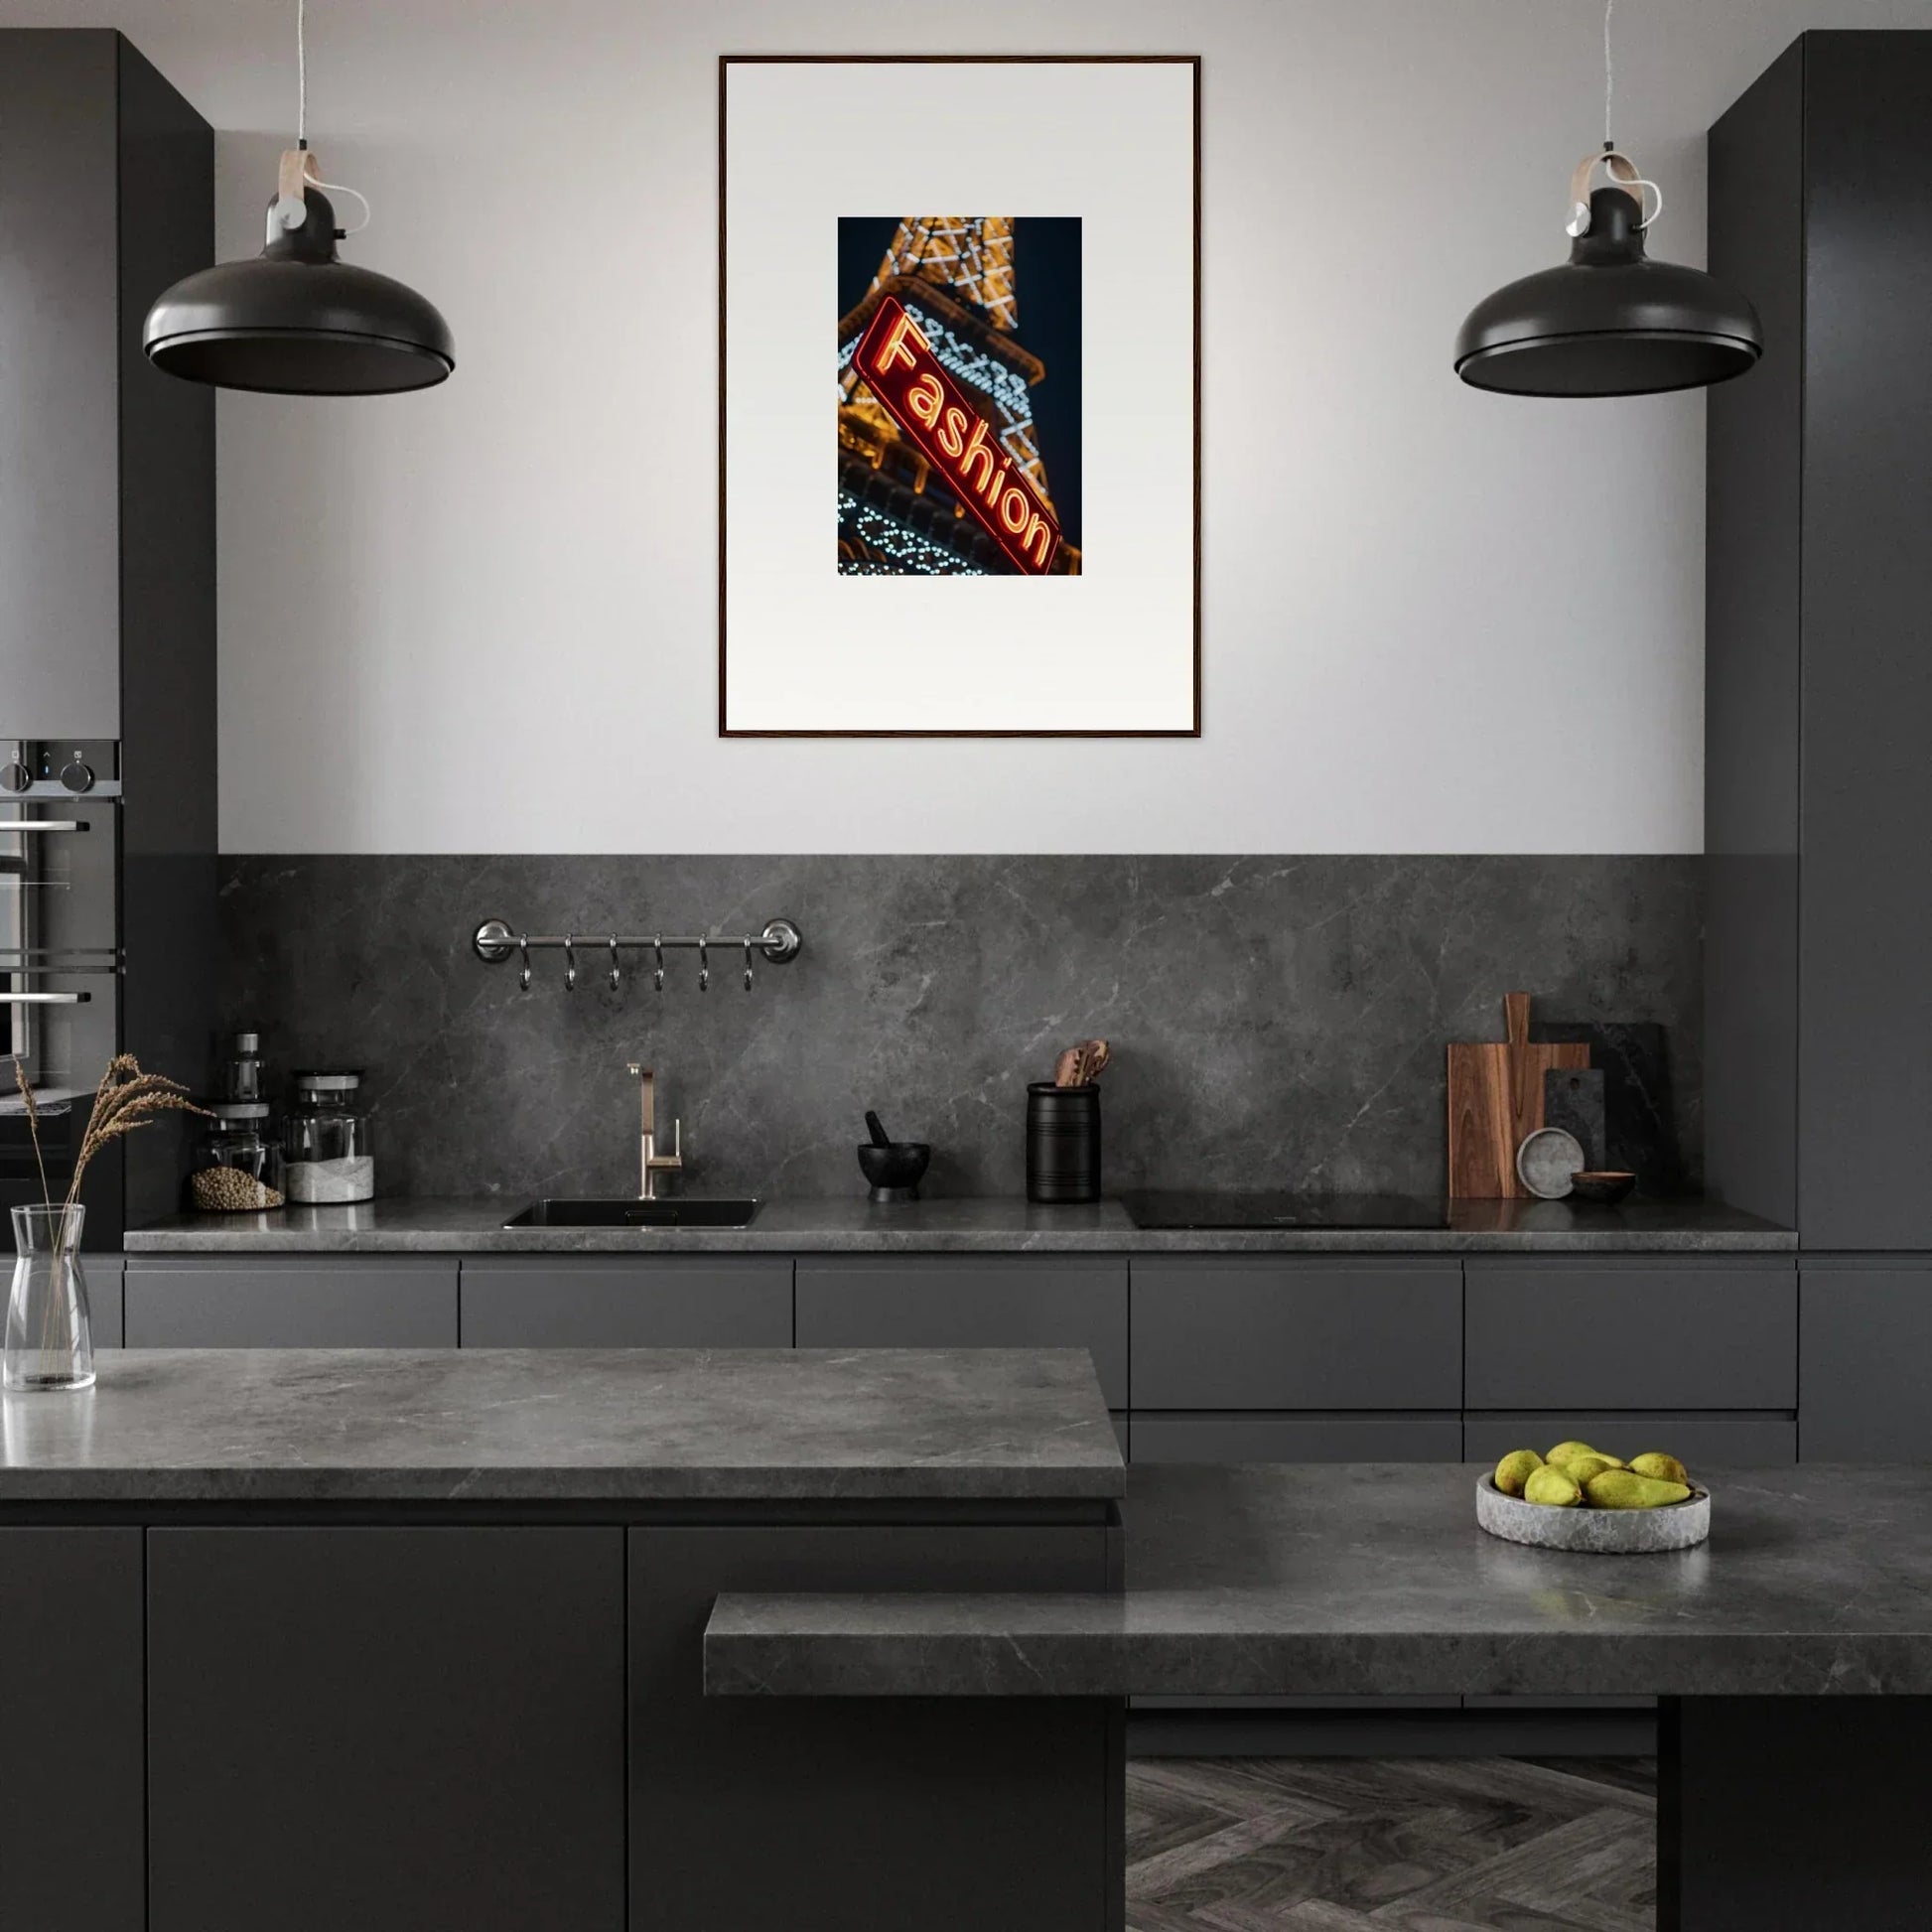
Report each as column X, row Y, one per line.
column 1608, row 321
column 299, row 321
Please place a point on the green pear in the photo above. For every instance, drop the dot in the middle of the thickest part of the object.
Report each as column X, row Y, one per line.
column 1515, row 1469
column 1666, row 1469
column 1550, row 1485
column 1626, row 1489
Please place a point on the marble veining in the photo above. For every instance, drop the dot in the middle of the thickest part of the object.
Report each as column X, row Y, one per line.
column 963, row 1226
column 1374, row 1579
column 1275, row 1021
column 565, row 1425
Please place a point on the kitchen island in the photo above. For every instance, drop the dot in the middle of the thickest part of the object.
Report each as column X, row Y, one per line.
column 412, row 1641
column 1793, row 1651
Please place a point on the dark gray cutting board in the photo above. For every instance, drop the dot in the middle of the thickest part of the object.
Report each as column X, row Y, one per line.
column 1639, row 1120
column 1572, row 1099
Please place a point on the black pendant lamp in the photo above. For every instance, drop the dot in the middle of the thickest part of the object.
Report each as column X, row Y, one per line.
column 1609, row 321
column 297, row 319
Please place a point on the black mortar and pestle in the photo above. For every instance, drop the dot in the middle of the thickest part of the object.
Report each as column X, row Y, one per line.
column 893, row 1166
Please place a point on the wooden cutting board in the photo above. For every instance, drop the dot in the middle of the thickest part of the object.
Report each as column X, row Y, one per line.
column 1495, row 1101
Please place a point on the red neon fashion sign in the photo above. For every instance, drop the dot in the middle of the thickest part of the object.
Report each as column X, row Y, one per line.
column 900, row 370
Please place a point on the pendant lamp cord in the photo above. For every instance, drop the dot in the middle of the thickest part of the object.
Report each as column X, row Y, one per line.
column 302, row 125
column 1609, row 73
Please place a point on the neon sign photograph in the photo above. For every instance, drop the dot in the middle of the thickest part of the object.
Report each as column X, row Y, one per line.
column 1015, row 486
column 959, row 396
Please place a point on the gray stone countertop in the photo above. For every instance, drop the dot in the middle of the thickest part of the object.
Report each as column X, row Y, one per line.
column 961, row 1226
column 564, row 1426
column 1373, row 1579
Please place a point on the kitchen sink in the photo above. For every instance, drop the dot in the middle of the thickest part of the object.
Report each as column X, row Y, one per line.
column 635, row 1214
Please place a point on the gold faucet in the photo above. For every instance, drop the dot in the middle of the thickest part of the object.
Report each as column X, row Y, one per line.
column 651, row 1162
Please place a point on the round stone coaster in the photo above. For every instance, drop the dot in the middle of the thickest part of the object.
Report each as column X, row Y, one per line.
column 1597, row 1531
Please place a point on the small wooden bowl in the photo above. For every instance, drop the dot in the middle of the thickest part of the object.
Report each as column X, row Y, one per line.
column 1603, row 1188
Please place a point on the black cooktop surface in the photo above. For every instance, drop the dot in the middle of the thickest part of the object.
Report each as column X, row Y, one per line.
column 1284, row 1210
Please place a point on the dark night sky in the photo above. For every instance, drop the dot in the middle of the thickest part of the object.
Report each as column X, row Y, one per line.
column 1046, row 278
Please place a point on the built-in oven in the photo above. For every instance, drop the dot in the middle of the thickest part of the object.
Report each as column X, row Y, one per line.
column 60, row 957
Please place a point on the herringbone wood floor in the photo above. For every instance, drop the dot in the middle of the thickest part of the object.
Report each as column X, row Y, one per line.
column 1390, row 1844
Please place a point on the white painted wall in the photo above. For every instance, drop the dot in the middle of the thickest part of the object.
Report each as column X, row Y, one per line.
column 484, row 618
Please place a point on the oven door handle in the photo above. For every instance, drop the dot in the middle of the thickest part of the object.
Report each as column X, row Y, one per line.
column 44, row 999
column 44, row 825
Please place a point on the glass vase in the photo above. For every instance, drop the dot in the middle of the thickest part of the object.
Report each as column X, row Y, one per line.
column 50, row 1338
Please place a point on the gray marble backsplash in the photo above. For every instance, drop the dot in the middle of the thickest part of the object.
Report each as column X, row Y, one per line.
column 1275, row 1021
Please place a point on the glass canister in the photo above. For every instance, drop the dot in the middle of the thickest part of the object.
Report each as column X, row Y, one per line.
column 238, row 1164
column 241, row 1067
column 329, row 1152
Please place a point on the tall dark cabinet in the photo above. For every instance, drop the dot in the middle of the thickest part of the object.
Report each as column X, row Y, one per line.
column 1819, row 716
column 107, row 698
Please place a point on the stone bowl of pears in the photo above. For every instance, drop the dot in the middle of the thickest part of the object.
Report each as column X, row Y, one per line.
column 1580, row 1498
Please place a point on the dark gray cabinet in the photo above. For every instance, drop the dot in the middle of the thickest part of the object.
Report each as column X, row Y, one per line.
column 735, row 1801
column 60, row 538
column 1237, row 1438
column 1866, row 1357
column 108, row 528
column 614, row 1301
column 407, row 1730
column 1818, row 682
column 272, row 1301
column 1268, row 1333
column 73, row 1840
column 1691, row 1335
column 970, row 1302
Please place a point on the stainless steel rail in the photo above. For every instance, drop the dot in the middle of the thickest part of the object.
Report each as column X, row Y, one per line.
column 496, row 940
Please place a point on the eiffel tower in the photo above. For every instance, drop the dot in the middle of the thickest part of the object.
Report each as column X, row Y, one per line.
column 897, row 514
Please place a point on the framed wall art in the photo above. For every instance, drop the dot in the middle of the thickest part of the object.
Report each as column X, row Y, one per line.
column 989, row 523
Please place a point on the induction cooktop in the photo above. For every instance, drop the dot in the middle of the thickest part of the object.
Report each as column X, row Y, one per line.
column 1284, row 1210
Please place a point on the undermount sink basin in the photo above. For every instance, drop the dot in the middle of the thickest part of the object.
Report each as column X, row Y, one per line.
column 635, row 1214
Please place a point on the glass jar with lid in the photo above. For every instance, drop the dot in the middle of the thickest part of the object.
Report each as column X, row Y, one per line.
column 241, row 1076
column 238, row 1164
column 329, row 1152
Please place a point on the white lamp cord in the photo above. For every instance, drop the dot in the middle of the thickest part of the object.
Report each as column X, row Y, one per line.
column 1609, row 71
column 292, row 214
column 1621, row 170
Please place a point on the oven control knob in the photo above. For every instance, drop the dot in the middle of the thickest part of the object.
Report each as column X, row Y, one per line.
column 15, row 776
column 77, row 777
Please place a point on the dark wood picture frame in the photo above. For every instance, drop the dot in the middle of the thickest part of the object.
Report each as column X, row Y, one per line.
column 728, row 60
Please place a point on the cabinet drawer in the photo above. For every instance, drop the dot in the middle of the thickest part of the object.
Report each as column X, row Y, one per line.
column 1298, row 1438
column 961, row 1302
column 395, row 1729
column 1631, row 1335
column 1259, row 1334
column 1866, row 1344
column 676, row 1302
column 268, row 1302
column 1731, row 1441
